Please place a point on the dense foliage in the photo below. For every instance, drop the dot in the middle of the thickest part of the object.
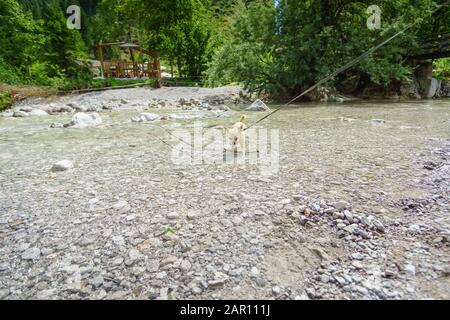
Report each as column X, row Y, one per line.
column 277, row 47
column 441, row 69
column 285, row 49
column 36, row 47
column 5, row 100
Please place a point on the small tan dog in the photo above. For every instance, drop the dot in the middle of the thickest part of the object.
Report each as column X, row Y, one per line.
column 237, row 134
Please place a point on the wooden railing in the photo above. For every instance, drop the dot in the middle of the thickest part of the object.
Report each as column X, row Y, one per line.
column 123, row 69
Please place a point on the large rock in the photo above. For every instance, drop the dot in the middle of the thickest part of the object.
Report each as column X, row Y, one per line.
column 433, row 88
column 145, row 117
column 56, row 125
column 25, row 109
column 410, row 90
column 20, row 114
column 38, row 113
column 61, row 109
column 429, row 87
column 445, row 88
column 258, row 105
column 7, row 114
column 84, row 120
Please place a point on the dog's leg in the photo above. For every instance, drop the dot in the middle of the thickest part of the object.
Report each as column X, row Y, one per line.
column 242, row 144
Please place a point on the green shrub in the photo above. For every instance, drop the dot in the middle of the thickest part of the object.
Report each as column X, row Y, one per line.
column 6, row 100
column 7, row 73
column 283, row 51
column 44, row 74
column 441, row 69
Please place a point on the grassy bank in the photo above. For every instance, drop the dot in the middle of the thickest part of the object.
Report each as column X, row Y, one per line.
column 9, row 94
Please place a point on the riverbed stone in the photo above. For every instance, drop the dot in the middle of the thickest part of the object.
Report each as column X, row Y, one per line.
column 20, row 114
column 62, row 165
column 31, row 254
column 38, row 113
column 145, row 117
column 258, row 105
column 84, row 120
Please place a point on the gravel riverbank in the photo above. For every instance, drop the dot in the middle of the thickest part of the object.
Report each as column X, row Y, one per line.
column 358, row 210
column 184, row 98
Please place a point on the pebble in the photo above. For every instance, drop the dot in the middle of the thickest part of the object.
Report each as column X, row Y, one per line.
column 63, row 165
column 31, row 254
column 260, row 281
column 23, row 247
column 338, row 215
column 185, row 266
column 341, row 225
column 357, row 256
column 118, row 240
column 168, row 261
column 237, row 221
column 311, row 292
column 172, row 215
column 362, row 290
column 56, row 125
column 410, row 270
column 341, row 205
column 122, row 206
column 254, row 272
column 217, row 283
column 348, row 215
column 161, row 275
column 192, row 215
column 351, row 228
column 134, row 254
column 365, row 221
column 97, row 281
column 117, row 261
column 340, row 280
column 152, row 266
column 4, row 293
column 379, row 226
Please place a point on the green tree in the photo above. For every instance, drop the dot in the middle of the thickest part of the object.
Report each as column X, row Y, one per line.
column 176, row 29
column 20, row 39
column 63, row 53
column 315, row 37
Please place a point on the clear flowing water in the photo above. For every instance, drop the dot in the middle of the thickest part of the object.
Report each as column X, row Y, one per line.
column 366, row 153
column 328, row 148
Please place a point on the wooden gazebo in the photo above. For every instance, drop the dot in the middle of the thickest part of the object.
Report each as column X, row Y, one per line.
column 134, row 69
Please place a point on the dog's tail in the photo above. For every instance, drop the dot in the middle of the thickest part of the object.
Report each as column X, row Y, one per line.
column 243, row 117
